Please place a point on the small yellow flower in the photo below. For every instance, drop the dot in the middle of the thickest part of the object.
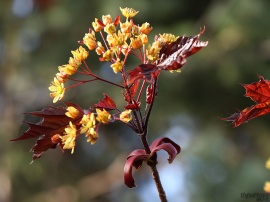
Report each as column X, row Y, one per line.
column 168, row 38
column 67, row 69
column 110, row 28
column 135, row 30
column 267, row 164
column 68, row 140
column 61, row 76
column 88, row 121
column 89, row 40
column 100, row 49
column 118, row 39
column 97, row 25
column 112, row 39
column 126, row 116
column 117, row 66
column 144, row 38
column 108, row 55
column 92, row 136
column 57, row 90
column 107, row 19
column 126, row 27
column 74, row 63
column 136, row 43
column 103, row 116
column 88, row 127
column 267, row 187
column 125, row 49
column 128, row 12
column 80, row 54
column 146, row 28
column 152, row 52
column 72, row 112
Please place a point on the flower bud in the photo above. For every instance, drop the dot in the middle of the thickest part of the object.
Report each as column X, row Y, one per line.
column 110, row 28
column 97, row 25
column 146, row 28
column 107, row 19
column 136, row 43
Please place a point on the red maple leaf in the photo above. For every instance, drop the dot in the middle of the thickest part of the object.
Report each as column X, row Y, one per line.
column 259, row 92
column 107, row 103
column 54, row 121
column 172, row 57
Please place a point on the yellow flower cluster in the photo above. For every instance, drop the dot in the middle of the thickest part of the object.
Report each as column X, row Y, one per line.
column 129, row 36
column 87, row 126
column 120, row 40
column 57, row 86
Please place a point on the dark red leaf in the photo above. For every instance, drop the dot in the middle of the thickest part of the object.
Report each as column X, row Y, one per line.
column 249, row 113
column 258, row 92
column 166, row 144
column 134, row 106
column 169, row 148
column 131, row 93
column 54, row 121
column 107, row 103
column 144, row 71
column 173, row 56
column 140, row 153
column 135, row 159
column 138, row 156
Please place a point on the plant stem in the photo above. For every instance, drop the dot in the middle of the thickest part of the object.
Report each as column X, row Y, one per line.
column 152, row 162
column 161, row 192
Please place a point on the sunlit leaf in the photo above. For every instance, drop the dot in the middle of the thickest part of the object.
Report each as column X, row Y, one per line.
column 173, row 56
column 259, row 92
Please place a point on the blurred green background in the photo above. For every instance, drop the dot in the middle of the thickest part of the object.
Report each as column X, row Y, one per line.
column 217, row 162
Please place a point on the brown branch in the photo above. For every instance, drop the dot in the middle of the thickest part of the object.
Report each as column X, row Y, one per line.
column 161, row 192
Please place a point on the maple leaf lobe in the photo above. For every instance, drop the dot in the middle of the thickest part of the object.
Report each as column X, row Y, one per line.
column 259, row 92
